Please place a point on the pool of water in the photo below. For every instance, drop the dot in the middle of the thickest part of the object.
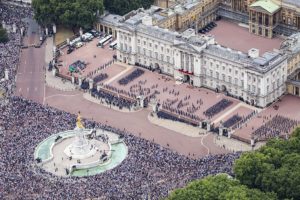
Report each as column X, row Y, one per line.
column 118, row 155
column 43, row 151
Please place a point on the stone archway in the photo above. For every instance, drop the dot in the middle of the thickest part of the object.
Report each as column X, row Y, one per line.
column 151, row 66
column 297, row 91
column 223, row 88
column 186, row 78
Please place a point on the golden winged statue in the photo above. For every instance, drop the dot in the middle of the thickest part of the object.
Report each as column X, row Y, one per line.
column 79, row 124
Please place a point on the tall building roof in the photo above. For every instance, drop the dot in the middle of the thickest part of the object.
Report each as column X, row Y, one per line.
column 267, row 5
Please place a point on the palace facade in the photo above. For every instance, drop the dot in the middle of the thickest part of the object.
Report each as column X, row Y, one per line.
column 165, row 39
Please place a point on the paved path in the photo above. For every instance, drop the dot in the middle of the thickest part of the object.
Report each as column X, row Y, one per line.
column 128, row 68
column 30, row 77
column 31, row 73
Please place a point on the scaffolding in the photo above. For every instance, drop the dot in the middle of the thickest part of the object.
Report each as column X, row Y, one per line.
column 233, row 15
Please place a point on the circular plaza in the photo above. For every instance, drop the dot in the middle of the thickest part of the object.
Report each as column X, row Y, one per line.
column 80, row 152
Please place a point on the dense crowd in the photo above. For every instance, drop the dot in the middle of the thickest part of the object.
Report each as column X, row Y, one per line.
column 169, row 116
column 244, row 120
column 119, row 91
column 148, row 170
column 113, row 99
column 168, row 107
column 100, row 77
column 217, row 108
column 130, row 77
column 8, row 60
column 232, row 121
column 14, row 14
column 276, row 127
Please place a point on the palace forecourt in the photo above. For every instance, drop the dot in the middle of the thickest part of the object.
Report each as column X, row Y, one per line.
column 213, row 81
column 167, row 89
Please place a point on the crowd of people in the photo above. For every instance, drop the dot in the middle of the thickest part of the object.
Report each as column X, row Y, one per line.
column 8, row 60
column 119, row 91
column 99, row 69
column 167, row 105
column 148, row 170
column 276, row 127
column 164, row 115
column 100, row 77
column 113, row 99
column 244, row 120
column 217, row 108
column 14, row 15
column 130, row 77
column 232, row 121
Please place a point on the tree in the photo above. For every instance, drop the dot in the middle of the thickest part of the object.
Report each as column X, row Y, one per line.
column 219, row 187
column 70, row 13
column 122, row 7
column 3, row 35
column 273, row 168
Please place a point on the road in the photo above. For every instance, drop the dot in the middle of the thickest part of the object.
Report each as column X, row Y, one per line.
column 31, row 75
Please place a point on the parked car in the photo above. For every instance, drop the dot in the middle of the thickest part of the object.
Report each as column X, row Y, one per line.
column 70, row 50
column 202, row 31
column 206, row 30
column 78, row 45
column 75, row 41
column 95, row 33
column 210, row 26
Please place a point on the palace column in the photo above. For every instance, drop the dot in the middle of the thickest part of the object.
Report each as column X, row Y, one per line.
column 186, row 62
column 190, row 63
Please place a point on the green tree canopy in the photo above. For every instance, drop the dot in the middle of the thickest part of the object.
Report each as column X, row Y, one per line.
column 273, row 168
column 122, row 7
column 219, row 187
column 3, row 35
column 70, row 13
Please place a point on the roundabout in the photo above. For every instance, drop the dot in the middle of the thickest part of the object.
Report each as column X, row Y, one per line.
column 80, row 152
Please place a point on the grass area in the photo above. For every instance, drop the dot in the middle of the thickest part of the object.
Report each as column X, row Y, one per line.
column 62, row 34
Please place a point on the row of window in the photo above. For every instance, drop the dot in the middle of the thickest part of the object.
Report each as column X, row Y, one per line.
column 152, row 54
column 166, row 69
column 153, row 45
column 221, row 66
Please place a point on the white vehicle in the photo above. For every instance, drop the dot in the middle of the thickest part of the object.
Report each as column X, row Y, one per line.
column 87, row 36
column 75, row 41
column 103, row 41
column 179, row 79
column 79, row 44
column 113, row 45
